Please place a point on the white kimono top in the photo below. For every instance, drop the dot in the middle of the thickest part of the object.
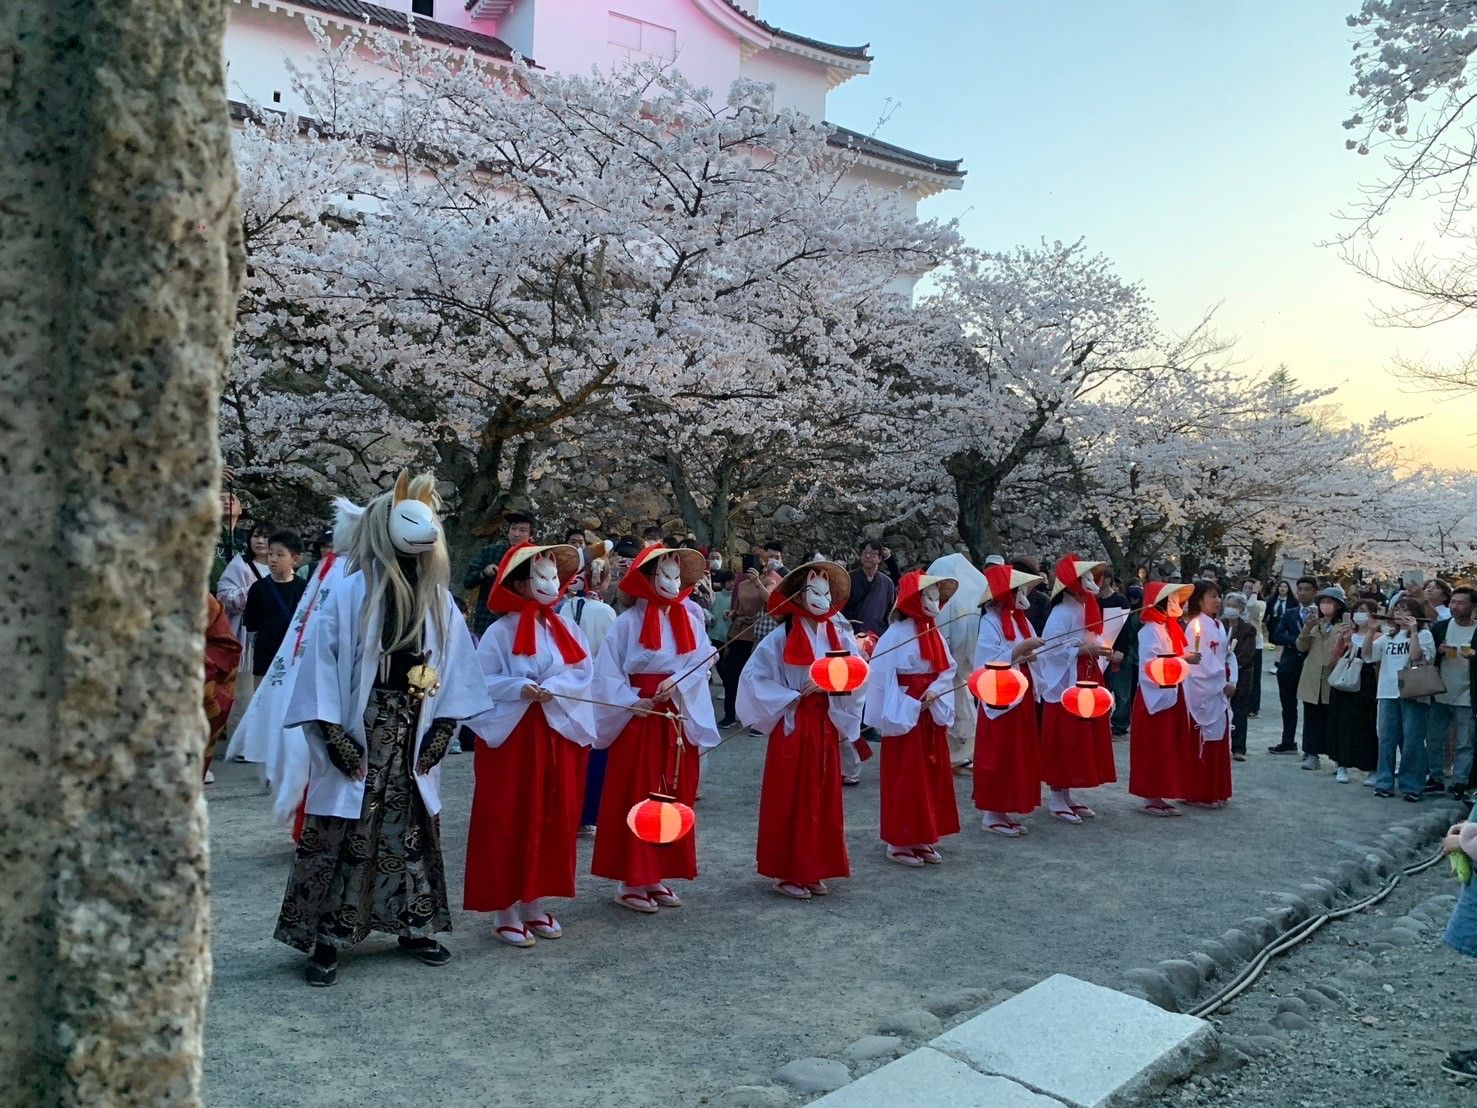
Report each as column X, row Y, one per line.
column 1153, row 641
column 769, row 690
column 886, row 706
column 507, row 673
column 236, row 581
column 592, row 616
column 260, row 735
column 622, row 655
column 992, row 646
column 1205, row 695
column 1055, row 668
column 336, row 677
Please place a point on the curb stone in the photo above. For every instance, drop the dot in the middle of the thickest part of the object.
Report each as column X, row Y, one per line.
column 871, row 1047
column 911, row 1023
column 813, row 1075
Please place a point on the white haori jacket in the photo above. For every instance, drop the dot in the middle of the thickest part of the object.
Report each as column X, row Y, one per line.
column 886, row 706
column 769, row 690
column 336, row 677
column 1056, row 663
column 1205, row 687
column 992, row 646
column 507, row 673
column 260, row 735
column 622, row 656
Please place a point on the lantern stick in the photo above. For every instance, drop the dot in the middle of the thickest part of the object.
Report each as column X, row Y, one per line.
column 621, row 707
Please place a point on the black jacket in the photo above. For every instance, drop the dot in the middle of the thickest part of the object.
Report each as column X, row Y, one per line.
column 1285, row 634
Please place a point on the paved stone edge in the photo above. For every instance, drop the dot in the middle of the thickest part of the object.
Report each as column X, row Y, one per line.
column 1174, row 984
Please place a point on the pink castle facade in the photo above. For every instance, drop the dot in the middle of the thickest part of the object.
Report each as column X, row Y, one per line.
column 712, row 42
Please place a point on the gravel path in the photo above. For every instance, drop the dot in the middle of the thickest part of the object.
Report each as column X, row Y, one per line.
column 665, row 1010
column 1359, row 1016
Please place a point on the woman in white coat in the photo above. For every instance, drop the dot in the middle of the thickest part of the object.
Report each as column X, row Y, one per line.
column 388, row 674
column 530, row 748
column 910, row 701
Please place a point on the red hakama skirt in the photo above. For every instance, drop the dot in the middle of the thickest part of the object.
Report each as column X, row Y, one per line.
column 918, row 803
column 1156, row 749
column 802, row 825
column 1205, row 770
column 525, row 810
column 642, row 760
column 1007, row 760
column 1076, row 753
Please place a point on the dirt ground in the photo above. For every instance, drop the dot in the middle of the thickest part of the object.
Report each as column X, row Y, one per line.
column 630, row 1010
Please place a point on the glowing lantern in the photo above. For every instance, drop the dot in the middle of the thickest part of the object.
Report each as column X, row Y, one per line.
column 998, row 685
column 1167, row 670
column 659, row 819
column 839, row 672
column 1088, row 700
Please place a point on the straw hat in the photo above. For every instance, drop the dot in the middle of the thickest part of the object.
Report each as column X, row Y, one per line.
column 1001, row 580
column 796, row 580
column 692, row 565
column 520, row 557
column 1157, row 593
column 1077, row 569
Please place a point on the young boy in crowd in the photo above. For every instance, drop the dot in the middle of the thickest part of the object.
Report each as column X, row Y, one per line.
column 272, row 600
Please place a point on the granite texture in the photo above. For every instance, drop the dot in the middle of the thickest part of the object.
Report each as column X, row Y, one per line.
column 118, row 268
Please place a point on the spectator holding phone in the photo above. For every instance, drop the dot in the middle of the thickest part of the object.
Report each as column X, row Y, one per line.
column 1451, row 711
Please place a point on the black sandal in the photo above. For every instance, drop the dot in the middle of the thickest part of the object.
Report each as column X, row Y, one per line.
column 426, row 950
column 322, row 971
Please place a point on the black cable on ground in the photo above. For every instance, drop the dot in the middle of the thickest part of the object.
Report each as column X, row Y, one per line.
column 1305, row 930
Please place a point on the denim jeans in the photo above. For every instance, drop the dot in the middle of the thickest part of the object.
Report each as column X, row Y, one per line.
column 1439, row 720
column 1461, row 929
column 1402, row 726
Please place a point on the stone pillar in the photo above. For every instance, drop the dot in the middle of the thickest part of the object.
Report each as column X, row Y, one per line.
column 118, row 268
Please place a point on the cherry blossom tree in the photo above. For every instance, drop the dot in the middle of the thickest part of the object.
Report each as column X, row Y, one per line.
column 451, row 263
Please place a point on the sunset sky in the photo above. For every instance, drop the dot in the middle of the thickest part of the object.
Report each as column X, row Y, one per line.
column 1198, row 145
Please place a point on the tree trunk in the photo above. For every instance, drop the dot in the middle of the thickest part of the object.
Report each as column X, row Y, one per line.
column 975, row 489
column 1263, row 560
column 118, row 272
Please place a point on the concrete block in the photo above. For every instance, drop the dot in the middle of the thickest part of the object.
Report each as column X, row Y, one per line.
column 1088, row 1046
column 928, row 1077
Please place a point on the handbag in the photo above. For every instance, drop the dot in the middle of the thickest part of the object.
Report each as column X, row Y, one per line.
column 1347, row 673
column 1421, row 680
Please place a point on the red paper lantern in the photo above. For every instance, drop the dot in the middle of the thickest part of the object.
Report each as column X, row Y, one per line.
column 659, row 819
column 839, row 672
column 1088, row 700
column 1167, row 670
column 998, row 685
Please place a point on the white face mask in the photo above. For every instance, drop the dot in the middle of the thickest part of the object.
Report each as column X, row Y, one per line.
column 1089, row 586
column 413, row 526
column 817, row 594
column 668, row 579
column 929, row 599
column 1174, row 608
column 1022, row 598
column 1361, row 618
column 1231, row 613
column 715, row 563
column 543, row 579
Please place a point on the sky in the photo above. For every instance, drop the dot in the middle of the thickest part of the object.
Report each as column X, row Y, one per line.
column 1198, row 145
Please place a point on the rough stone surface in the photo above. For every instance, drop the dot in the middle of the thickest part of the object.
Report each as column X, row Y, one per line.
column 752, row 1096
column 911, row 1023
column 952, row 1003
column 1155, row 987
column 1019, row 983
column 1241, row 944
column 871, row 1047
column 928, row 1077
column 813, row 1075
column 1184, row 978
column 1081, row 1043
column 1259, row 929
column 1290, row 1021
column 117, row 288
column 1226, row 962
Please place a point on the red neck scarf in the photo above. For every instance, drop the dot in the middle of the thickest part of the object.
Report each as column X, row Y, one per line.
column 930, row 643
column 1013, row 621
column 639, row 584
column 1093, row 612
column 1176, row 632
column 799, row 650
column 501, row 598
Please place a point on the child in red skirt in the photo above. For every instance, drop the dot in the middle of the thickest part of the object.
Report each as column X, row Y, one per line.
column 1159, row 733
column 910, row 701
column 1007, row 763
column 1206, row 778
column 531, row 748
column 802, row 824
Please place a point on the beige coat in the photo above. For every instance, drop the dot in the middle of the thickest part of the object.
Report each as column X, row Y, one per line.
column 1318, row 640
